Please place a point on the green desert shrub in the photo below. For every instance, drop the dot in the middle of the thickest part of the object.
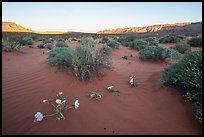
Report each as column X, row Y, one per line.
column 181, row 37
column 61, row 44
column 27, row 41
column 197, row 41
column 12, row 45
column 155, row 53
column 104, row 40
column 34, row 36
column 175, row 56
column 87, row 42
column 169, row 39
column 82, row 60
column 42, row 39
column 149, row 39
column 22, row 40
column 106, row 50
column 138, row 44
column 153, row 43
column 189, row 72
column 125, row 40
column 45, row 44
column 41, row 45
column 48, row 46
column 45, row 41
column 61, row 40
column 115, row 38
column 182, row 48
column 187, row 76
column 60, row 56
column 197, row 107
column 113, row 44
column 87, row 60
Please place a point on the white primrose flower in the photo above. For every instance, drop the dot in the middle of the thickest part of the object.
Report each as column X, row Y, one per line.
column 76, row 104
column 64, row 101
column 60, row 93
column 38, row 116
column 131, row 80
column 99, row 96
column 110, row 87
column 44, row 100
column 58, row 101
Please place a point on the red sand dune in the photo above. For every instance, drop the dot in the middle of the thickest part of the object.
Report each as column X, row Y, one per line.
column 150, row 108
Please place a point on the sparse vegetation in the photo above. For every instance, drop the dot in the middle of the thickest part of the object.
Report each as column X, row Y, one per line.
column 60, row 56
column 83, row 60
column 124, row 57
column 12, row 46
column 104, row 40
column 46, row 44
column 113, row 44
column 182, row 48
column 34, row 36
column 155, row 53
column 197, row 42
column 138, row 44
column 87, row 42
column 187, row 76
column 153, row 43
column 61, row 43
column 125, row 40
column 149, row 39
column 106, row 50
column 170, row 39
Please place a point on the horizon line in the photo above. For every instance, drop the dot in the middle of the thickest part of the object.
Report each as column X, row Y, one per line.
column 98, row 30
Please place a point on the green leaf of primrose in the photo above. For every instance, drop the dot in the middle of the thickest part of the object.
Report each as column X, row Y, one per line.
column 43, row 113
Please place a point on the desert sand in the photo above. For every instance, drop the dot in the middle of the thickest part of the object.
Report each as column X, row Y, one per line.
column 149, row 108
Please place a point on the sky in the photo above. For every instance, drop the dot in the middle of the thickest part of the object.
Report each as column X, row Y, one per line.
column 95, row 16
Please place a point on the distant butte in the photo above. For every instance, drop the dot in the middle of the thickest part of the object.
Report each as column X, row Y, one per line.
column 156, row 28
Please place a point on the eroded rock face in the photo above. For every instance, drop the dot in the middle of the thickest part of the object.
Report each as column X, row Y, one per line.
column 13, row 27
column 154, row 28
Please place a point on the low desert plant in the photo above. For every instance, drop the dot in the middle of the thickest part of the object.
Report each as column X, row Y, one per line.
column 125, row 40
column 106, row 50
column 45, row 41
column 197, row 107
column 48, row 46
column 138, row 44
column 197, row 41
column 169, row 39
column 95, row 95
column 45, row 45
column 86, row 60
column 34, row 36
column 87, row 42
column 27, row 41
column 155, row 53
column 187, row 76
column 59, row 106
column 149, row 39
column 41, row 46
column 82, row 60
column 61, row 44
column 152, row 43
column 113, row 44
column 124, row 57
column 60, row 56
column 12, row 45
column 104, row 40
column 182, row 48
column 133, row 81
